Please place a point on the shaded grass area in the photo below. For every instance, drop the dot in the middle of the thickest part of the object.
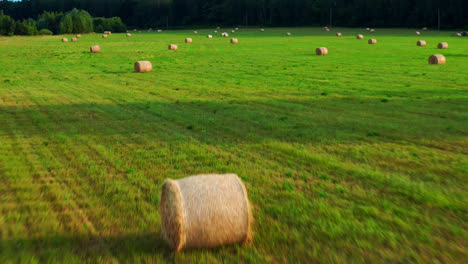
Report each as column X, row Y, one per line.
column 359, row 156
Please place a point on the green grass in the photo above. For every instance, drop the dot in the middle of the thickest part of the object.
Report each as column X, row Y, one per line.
column 358, row 156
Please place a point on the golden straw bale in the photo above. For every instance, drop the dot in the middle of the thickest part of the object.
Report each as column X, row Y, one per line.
column 339, row 34
column 421, row 43
column 443, row 45
column 359, row 36
column 234, row 41
column 188, row 40
column 372, row 41
column 95, row 49
column 437, row 59
column 321, row 51
column 205, row 211
column 173, row 47
column 74, row 39
column 143, row 66
column 64, row 40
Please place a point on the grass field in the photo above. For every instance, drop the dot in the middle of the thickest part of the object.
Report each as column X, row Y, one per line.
column 358, row 156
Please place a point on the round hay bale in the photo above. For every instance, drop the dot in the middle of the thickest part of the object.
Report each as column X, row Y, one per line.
column 107, row 32
column 218, row 28
column 359, row 36
column 159, row 30
column 129, row 35
column 195, row 32
column 424, row 28
column 205, row 211
column 321, row 51
column 262, row 30
column 233, row 31
column 74, row 39
column 339, row 34
column 288, row 33
column 64, row 40
column 143, row 66
column 367, row 29
column 216, row 31
column 78, row 36
column 209, row 36
column 104, row 36
column 234, row 41
column 173, row 47
column 421, row 43
column 458, row 34
column 327, row 30
column 135, row 30
column 372, row 30
column 188, row 40
column 443, row 45
column 372, row 41
column 417, row 33
column 95, row 49
column 437, row 59
column 224, row 34
column 237, row 29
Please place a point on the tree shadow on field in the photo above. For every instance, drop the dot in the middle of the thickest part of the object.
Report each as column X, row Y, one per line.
column 225, row 122
column 61, row 247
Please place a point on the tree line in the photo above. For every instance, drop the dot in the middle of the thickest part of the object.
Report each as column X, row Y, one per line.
column 184, row 13
column 48, row 23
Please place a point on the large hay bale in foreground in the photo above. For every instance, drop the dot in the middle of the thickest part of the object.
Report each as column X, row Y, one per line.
column 339, row 34
column 372, row 41
column 421, row 43
column 173, row 47
column 321, row 51
column 205, row 211
column 443, row 45
column 188, row 40
column 359, row 36
column 64, row 40
column 95, row 49
column 78, row 36
column 234, row 41
column 74, row 39
column 437, row 59
column 143, row 66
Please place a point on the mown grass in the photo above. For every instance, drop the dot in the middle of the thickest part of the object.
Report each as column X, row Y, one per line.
column 358, row 156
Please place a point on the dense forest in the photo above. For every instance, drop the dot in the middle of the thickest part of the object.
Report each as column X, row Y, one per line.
column 173, row 13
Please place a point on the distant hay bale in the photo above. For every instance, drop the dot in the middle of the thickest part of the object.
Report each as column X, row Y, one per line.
column 209, row 36
column 288, row 33
column 195, row 32
column 218, row 28
column 234, row 41
column 372, row 41
column 74, row 39
column 321, row 51
column 421, row 43
column 95, row 49
column 129, row 35
column 443, row 45
column 107, row 32
column 417, row 33
column 233, row 31
column 64, row 40
column 237, row 29
column 224, row 34
column 188, row 40
column 159, row 30
column 216, row 31
column 78, row 36
column 135, row 30
column 359, row 36
column 173, row 47
column 327, row 30
column 458, row 34
column 437, row 59
column 372, row 30
column 339, row 34
column 143, row 66
column 104, row 36
column 424, row 28
column 367, row 29
column 262, row 30
column 205, row 211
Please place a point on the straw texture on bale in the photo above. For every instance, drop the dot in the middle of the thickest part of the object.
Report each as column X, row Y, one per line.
column 209, row 36
column 74, row 39
column 359, row 36
column 78, row 36
column 321, row 51
column 339, row 34
column 104, row 36
column 437, row 59
column 443, row 45
column 188, row 40
column 173, row 47
column 234, row 41
column 64, row 40
column 205, row 211
column 95, row 49
column 143, row 66
column 129, row 35
column 372, row 41
column 421, row 43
